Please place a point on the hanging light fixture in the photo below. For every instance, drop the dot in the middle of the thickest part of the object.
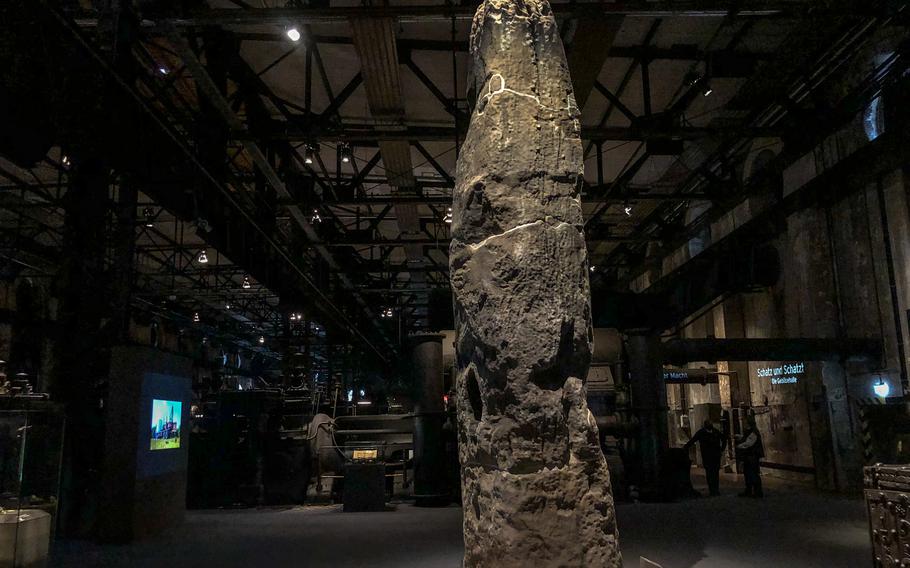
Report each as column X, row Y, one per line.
column 309, row 153
column 195, row 317
column 246, row 283
column 261, row 340
column 346, row 152
column 315, row 218
column 448, row 217
column 149, row 215
column 227, row 306
column 627, row 209
column 881, row 388
column 65, row 160
column 203, row 257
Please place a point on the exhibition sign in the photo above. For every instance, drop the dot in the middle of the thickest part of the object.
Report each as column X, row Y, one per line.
column 783, row 374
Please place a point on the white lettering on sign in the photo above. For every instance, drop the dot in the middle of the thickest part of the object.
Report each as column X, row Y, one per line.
column 786, row 374
column 675, row 375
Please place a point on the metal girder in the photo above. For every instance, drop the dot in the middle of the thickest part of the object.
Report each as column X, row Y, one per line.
column 627, row 77
column 784, row 349
column 369, row 135
column 200, row 75
column 591, row 194
column 811, row 45
column 376, row 268
column 445, row 242
column 680, row 52
column 375, row 41
column 614, row 100
column 447, row 12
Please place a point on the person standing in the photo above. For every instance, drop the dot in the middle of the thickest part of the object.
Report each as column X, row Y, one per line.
column 750, row 450
column 711, row 443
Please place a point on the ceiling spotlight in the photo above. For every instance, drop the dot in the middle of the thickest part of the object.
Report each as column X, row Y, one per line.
column 708, row 90
column 346, row 152
column 195, row 317
column 227, row 306
column 65, row 160
column 627, row 209
column 592, row 268
column 448, row 217
column 149, row 215
column 293, row 33
column 309, row 153
column 203, row 257
column 261, row 340
column 315, row 218
column 163, row 70
column 246, row 283
column 387, row 313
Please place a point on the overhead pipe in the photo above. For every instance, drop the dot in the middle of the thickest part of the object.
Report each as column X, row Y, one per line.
column 681, row 351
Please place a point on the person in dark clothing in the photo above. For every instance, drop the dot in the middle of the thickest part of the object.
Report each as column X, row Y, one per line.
column 711, row 443
column 750, row 450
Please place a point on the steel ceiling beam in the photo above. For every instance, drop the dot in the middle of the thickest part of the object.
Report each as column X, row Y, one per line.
column 682, row 52
column 208, row 87
column 592, row 194
column 445, row 13
column 375, row 41
column 445, row 242
column 369, row 135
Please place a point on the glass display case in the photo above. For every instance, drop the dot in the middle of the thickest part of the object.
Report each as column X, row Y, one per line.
column 31, row 444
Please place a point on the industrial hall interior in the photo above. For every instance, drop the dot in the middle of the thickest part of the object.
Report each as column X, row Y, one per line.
column 454, row 283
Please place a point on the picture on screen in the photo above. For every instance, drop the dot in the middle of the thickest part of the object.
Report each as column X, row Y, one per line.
column 165, row 424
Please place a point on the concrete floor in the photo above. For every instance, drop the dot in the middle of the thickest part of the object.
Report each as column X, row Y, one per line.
column 790, row 527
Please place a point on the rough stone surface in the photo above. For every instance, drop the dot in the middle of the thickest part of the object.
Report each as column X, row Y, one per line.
column 536, row 489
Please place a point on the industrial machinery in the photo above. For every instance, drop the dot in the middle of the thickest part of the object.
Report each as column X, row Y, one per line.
column 267, row 446
column 383, row 438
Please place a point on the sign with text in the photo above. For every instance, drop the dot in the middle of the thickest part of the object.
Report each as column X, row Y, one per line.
column 690, row 376
column 783, row 373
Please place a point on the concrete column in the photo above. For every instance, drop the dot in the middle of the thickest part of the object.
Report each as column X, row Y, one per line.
column 734, row 326
column 125, row 251
column 811, row 311
column 649, row 402
column 430, row 487
column 78, row 361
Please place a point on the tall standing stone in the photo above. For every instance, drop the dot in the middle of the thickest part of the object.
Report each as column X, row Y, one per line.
column 536, row 489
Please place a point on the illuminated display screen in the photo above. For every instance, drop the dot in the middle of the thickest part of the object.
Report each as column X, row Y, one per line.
column 165, row 431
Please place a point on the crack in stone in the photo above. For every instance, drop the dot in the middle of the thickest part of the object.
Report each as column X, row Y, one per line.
column 488, row 96
column 481, row 243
